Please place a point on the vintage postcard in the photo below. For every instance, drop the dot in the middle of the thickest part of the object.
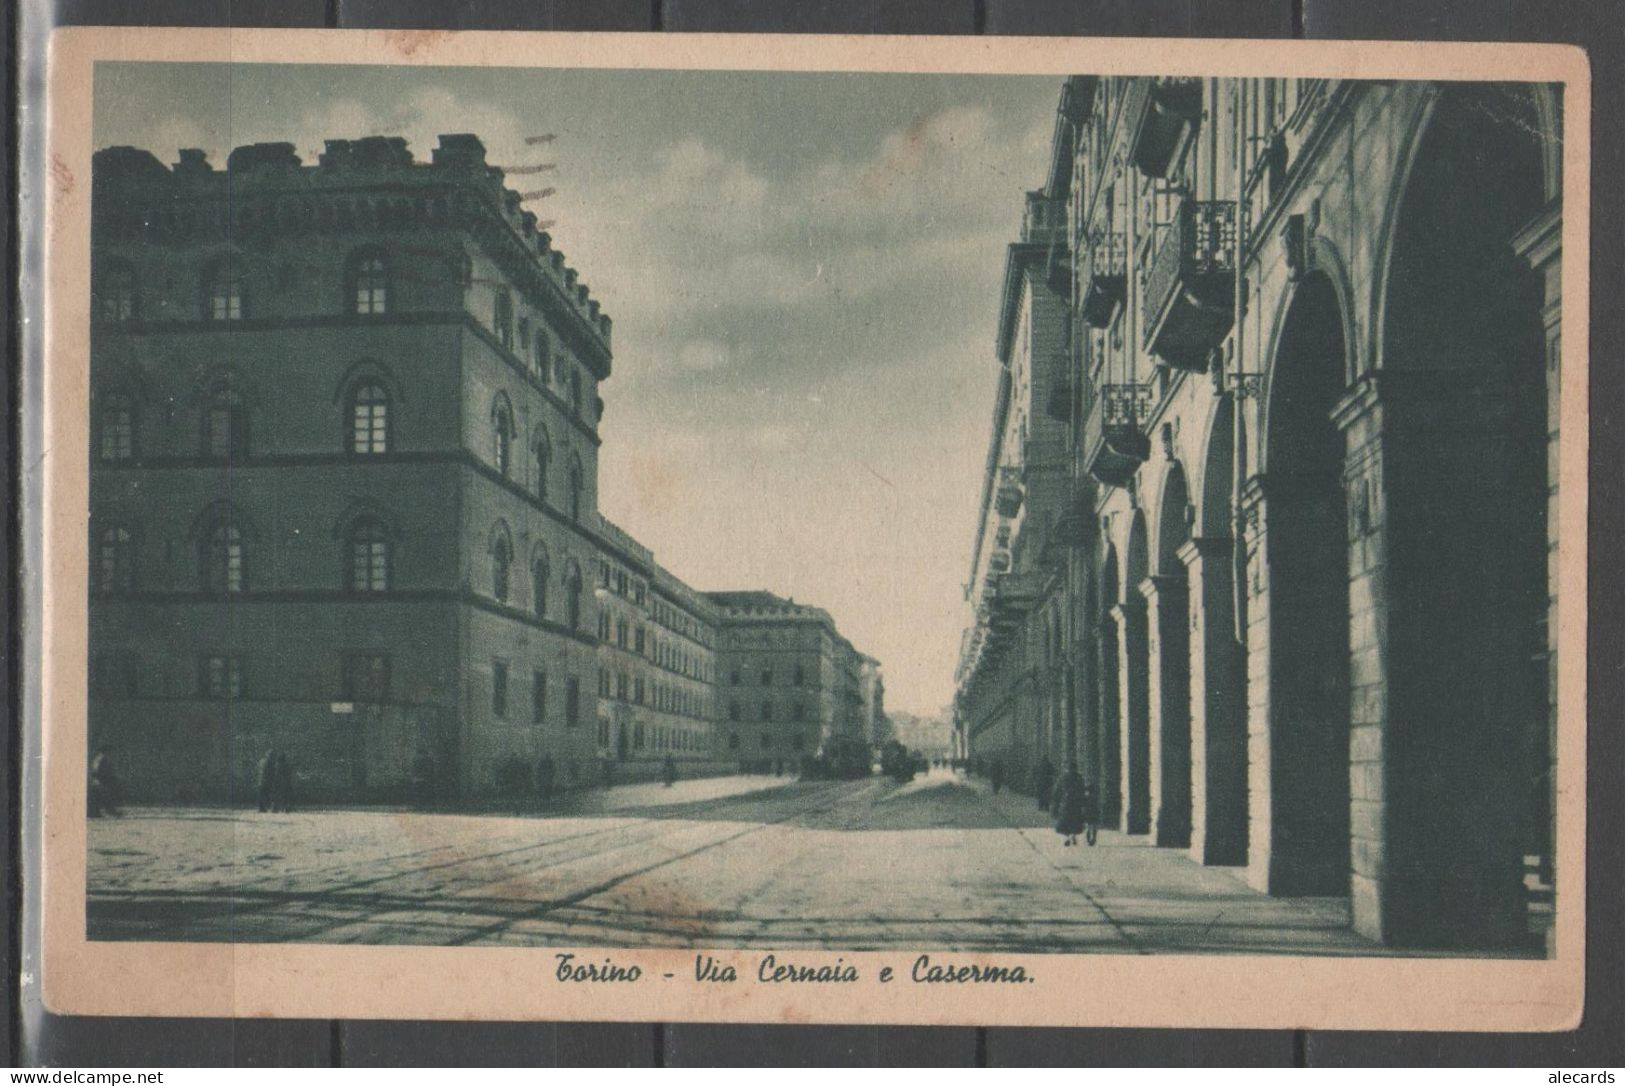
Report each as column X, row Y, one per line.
column 650, row 527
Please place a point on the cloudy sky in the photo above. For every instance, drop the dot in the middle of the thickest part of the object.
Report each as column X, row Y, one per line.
column 803, row 271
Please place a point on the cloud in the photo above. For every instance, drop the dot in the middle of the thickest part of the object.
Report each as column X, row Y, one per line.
column 702, row 356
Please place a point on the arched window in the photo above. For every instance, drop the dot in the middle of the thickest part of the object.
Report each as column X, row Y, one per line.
column 369, row 419
column 223, row 292
column 573, row 496
column 224, row 430
column 115, row 561
column 116, row 292
column 542, row 355
column 559, row 364
column 369, row 566
column 502, row 319
column 221, row 559
column 116, row 424
column 541, row 452
column 501, row 564
column 538, row 580
column 522, row 343
column 572, row 594
column 369, row 283
column 502, row 434
column 575, row 390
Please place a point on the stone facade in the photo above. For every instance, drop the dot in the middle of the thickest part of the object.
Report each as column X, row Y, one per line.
column 1305, row 599
column 788, row 683
column 344, row 504
column 657, row 666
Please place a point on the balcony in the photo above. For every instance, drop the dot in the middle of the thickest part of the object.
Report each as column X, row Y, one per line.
column 1018, row 594
column 1106, row 281
column 1190, row 287
column 1115, row 442
column 1157, row 113
column 1007, row 498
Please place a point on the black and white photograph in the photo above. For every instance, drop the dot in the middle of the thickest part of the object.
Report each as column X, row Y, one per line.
column 796, row 522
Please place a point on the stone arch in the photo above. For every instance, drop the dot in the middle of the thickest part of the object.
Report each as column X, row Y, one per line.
column 1453, row 492
column 1215, row 492
column 1108, row 712
column 1174, row 520
column 1300, row 788
column 1167, row 594
column 1218, row 672
column 368, row 370
column 1134, row 681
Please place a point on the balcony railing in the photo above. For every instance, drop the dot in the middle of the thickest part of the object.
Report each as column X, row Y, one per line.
column 1115, row 441
column 1018, row 594
column 1106, row 281
column 1007, row 498
column 1190, row 287
column 1157, row 112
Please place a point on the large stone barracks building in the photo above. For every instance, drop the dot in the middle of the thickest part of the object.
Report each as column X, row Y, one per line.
column 344, row 500
column 1268, row 531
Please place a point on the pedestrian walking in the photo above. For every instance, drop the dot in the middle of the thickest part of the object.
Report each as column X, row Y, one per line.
column 104, row 791
column 266, row 777
column 1043, row 782
column 283, row 791
column 1069, row 806
column 668, row 771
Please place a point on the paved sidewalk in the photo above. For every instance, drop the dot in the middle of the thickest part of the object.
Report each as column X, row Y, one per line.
column 1162, row 900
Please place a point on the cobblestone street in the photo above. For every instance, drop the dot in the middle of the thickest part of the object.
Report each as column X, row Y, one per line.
column 733, row 862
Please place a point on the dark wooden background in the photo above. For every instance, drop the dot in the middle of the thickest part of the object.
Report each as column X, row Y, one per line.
column 1599, row 26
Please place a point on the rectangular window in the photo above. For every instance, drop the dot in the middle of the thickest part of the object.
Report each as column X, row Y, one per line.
column 366, row 677
column 220, row 677
column 369, row 570
column 499, row 689
column 572, row 701
column 538, row 697
column 370, row 427
column 638, row 641
column 118, row 433
column 226, row 301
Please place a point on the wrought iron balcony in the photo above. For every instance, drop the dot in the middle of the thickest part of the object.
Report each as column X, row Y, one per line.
column 1007, row 498
column 1190, row 287
column 1157, row 112
column 1115, row 441
column 1018, row 594
column 1106, row 280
